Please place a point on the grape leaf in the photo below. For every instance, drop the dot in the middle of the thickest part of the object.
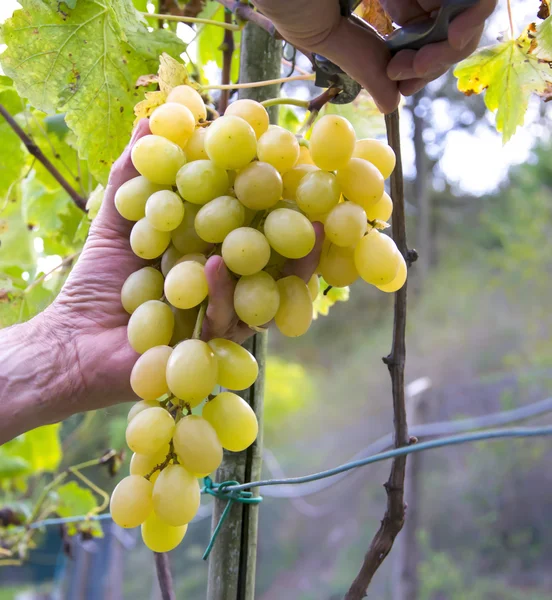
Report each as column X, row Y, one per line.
column 40, row 448
column 12, row 466
column 74, row 500
column 509, row 73
column 324, row 301
column 16, row 243
column 85, row 62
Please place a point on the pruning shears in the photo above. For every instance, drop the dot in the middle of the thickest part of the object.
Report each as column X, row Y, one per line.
column 411, row 37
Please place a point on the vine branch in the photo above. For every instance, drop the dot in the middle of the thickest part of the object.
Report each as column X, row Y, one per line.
column 197, row 20
column 164, row 576
column 247, row 13
column 35, row 151
column 393, row 519
column 227, row 53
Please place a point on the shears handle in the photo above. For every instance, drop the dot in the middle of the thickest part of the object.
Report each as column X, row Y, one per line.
column 418, row 35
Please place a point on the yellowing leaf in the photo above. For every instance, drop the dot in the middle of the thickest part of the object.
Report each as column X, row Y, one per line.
column 85, row 62
column 324, row 301
column 373, row 12
column 509, row 73
column 144, row 108
column 172, row 73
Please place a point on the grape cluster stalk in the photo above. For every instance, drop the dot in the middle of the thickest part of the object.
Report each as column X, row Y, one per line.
column 249, row 192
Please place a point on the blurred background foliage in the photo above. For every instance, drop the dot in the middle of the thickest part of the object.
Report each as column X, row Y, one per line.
column 479, row 329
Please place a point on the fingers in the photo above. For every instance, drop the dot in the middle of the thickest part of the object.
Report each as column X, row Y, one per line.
column 364, row 57
column 468, row 26
column 121, row 172
column 306, row 266
column 414, row 69
column 220, row 317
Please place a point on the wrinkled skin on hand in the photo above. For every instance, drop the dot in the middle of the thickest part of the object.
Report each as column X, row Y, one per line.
column 88, row 321
column 317, row 26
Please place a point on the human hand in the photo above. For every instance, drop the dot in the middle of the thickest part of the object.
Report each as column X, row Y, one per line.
column 413, row 69
column 317, row 26
column 89, row 321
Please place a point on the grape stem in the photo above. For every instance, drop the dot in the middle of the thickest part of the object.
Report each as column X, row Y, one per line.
column 291, row 101
column 199, row 321
column 196, row 20
column 256, row 84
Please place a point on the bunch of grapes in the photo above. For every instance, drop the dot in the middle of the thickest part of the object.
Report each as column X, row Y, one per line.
column 250, row 192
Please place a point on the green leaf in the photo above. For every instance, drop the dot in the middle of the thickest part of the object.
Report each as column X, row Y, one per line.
column 210, row 40
column 12, row 466
column 323, row 302
column 509, row 73
column 288, row 119
column 16, row 241
column 40, row 448
column 75, row 500
column 85, row 63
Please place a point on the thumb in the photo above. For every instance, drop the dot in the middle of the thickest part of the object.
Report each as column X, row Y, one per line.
column 364, row 57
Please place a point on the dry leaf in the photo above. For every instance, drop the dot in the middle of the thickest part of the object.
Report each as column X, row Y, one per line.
column 373, row 12
column 144, row 108
column 544, row 10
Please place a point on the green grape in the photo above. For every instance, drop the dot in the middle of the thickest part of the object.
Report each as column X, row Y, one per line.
column 157, row 159
column 382, row 209
column 151, row 324
column 230, row 142
column 190, row 98
column 314, row 287
column 318, row 193
column 258, row 186
column 332, row 142
column 150, row 431
column 192, row 371
column 278, row 147
column 147, row 378
column 293, row 178
column 131, row 197
column 256, row 298
column 159, row 536
column 275, row 264
column 245, row 251
column 201, row 181
column 380, row 154
column 131, row 501
column 168, row 260
column 337, row 265
column 233, row 420
column 305, row 157
column 173, row 121
column 197, row 445
column 289, row 232
column 194, row 257
column 143, row 464
column 176, row 496
column 345, row 224
column 186, row 284
column 237, row 368
column 252, row 112
column 361, row 182
column 398, row 281
column 377, row 258
column 294, row 315
column 184, row 324
column 141, row 286
column 195, row 148
column 148, row 242
column 184, row 237
column 139, row 406
column 218, row 218
column 164, row 210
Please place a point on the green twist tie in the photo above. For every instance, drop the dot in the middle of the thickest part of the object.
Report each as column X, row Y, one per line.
column 221, row 491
